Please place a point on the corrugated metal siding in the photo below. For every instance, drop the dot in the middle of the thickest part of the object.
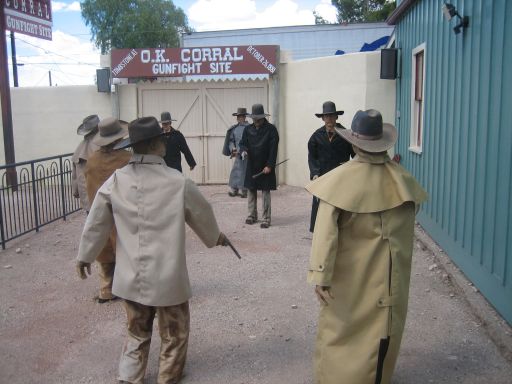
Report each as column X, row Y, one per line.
column 466, row 161
column 304, row 42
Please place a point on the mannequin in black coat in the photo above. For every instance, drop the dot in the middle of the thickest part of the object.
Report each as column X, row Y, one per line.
column 326, row 150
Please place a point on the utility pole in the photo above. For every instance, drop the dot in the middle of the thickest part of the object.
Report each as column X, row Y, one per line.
column 14, row 63
column 50, row 77
column 5, row 99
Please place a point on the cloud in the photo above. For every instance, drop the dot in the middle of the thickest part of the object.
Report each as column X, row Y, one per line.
column 59, row 6
column 209, row 15
column 327, row 11
column 221, row 11
column 70, row 60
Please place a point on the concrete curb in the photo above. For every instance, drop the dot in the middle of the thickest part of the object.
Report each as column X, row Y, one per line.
column 495, row 326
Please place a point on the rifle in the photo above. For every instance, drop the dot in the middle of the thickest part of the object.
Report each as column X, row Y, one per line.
column 233, row 248
column 262, row 173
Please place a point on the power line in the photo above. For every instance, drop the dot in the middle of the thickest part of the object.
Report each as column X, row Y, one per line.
column 50, row 63
column 53, row 53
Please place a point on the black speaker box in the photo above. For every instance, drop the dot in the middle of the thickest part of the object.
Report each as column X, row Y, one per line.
column 103, row 79
column 388, row 63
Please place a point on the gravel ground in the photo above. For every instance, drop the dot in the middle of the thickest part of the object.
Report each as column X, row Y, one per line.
column 253, row 320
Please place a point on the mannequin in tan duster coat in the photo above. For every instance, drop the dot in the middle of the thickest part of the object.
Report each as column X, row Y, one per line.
column 361, row 258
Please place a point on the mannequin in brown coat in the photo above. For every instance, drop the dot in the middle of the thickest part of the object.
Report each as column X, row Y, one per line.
column 100, row 166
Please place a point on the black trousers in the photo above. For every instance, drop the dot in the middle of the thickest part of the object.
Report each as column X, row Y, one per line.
column 314, row 210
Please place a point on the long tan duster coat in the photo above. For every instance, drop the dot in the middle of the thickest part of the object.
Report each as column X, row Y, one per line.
column 362, row 249
column 79, row 161
column 100, row 166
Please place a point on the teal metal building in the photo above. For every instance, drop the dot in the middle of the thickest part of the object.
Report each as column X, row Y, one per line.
column 454, row 117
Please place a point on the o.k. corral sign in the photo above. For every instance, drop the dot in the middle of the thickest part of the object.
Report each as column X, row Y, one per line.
column 29, row 17
column 201, row 61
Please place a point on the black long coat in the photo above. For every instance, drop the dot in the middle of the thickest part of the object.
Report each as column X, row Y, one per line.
column 324, row 156
column 176, row 144
column 261, row 146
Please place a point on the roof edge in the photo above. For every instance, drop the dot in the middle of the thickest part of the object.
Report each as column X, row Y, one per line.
column 400, row 11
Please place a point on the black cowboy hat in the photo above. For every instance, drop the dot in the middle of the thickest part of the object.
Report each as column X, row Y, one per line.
column 258, row 112
column 165, row 117
column 241, row 112
column 139, row 130
column 329, row 108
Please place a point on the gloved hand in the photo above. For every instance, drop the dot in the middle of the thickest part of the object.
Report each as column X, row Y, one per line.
column 223, row 240
column 81, row 267
column 323, row 293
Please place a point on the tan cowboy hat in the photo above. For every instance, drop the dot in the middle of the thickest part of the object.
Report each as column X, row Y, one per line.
column 369, row 133
column 258, row 112
column 241, row 112
column 110, row 130
column 329, row 108
column 89, row 124
column 140, row 130
column 165, row 117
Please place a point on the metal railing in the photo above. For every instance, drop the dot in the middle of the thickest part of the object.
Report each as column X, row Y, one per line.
column 35, row 193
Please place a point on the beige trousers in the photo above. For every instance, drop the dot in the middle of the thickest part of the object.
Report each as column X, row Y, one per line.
column 173, row 325
column 106, row 274
column 253, row 205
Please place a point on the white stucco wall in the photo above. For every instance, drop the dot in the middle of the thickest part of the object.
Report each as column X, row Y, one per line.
column 45, row 119
column 351, row 81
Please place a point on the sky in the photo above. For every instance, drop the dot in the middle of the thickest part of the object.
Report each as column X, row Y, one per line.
column 71, row 58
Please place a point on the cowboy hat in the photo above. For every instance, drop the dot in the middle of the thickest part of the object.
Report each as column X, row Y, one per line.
column 165, row 117
column 110, row 130
column 139, row 130
column 329, row 108
column 241, row 112
column 258, row 112
column 89, row 124
column 369, row 133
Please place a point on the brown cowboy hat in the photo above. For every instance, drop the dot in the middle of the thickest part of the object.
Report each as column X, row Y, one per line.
column 139, row 130
column 110, row 130
column 329, row 108
column 89, row 124
column 241, row 112
column 369, row 133
column 258, row 112
column 165, row 117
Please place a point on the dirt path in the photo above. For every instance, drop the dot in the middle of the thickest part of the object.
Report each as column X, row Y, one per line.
column 253, row 321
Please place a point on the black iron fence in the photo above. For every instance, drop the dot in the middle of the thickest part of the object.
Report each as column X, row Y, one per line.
column 35, row 193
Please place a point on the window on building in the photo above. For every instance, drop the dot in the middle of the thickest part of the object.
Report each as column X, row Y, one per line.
column 417, row 95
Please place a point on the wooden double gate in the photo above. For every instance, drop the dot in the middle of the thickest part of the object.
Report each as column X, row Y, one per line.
column 203, row 111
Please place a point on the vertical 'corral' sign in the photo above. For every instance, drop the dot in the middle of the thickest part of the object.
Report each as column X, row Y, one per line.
column 29, row 17
column 176, row 62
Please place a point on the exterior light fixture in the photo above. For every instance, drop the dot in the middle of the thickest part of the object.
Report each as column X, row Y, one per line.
column 449, row 12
